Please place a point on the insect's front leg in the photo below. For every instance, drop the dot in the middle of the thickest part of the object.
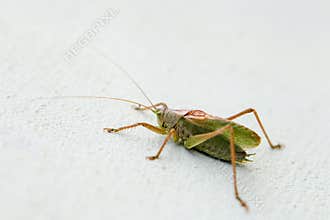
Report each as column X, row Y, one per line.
column 251, row 110
column 200, row 138
column 146, row 125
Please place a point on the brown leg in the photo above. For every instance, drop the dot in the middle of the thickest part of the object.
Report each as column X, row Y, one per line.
column 140, row 108
column 163, row 145
column 251, row 110
column 198, row 139
column 146, row 125
column 233, row 163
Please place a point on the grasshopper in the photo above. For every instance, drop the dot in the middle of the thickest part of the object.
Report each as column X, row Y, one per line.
column 220, row 138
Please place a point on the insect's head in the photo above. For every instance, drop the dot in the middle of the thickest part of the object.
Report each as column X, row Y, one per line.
column 166, row 117
column 161, row 111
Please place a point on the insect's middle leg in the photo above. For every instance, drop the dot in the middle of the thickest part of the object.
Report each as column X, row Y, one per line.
column 200, row 138
column 172, row 131
column 146, row 125
column 251, row 110
column 150, row 127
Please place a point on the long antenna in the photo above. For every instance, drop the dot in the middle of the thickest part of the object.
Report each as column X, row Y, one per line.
column 127, row 74
column 99, row 97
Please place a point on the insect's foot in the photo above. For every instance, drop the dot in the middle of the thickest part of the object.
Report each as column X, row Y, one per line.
column 278, row 146
column 243, row 204
column 152, row 157
column 139, row 107
column 110, row 130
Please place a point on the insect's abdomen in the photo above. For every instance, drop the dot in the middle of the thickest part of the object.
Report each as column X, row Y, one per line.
column 217, row 147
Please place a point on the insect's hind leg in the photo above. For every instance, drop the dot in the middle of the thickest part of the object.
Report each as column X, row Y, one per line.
column 251, row 110
column 197, row 139
column 146, row 125
column 233, row 163
column 200, row 138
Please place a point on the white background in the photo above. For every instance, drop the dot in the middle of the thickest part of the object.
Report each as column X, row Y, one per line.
column 219, row 56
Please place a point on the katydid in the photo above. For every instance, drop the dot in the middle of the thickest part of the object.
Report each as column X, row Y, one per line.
column 220, row 138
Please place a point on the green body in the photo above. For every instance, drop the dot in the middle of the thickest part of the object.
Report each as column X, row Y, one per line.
column 187, row 124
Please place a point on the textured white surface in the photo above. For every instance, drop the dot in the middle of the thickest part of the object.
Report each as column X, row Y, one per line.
column 219, row 56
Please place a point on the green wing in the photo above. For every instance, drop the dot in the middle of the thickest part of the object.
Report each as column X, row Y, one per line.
column 244, row 137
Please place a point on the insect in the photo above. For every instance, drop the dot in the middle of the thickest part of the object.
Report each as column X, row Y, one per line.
column 220, row 138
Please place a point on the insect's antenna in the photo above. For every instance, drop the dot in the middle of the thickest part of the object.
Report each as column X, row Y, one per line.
column 129, row 76
column 99, row 97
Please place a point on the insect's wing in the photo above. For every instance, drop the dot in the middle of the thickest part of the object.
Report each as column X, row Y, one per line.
column 244, row 137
